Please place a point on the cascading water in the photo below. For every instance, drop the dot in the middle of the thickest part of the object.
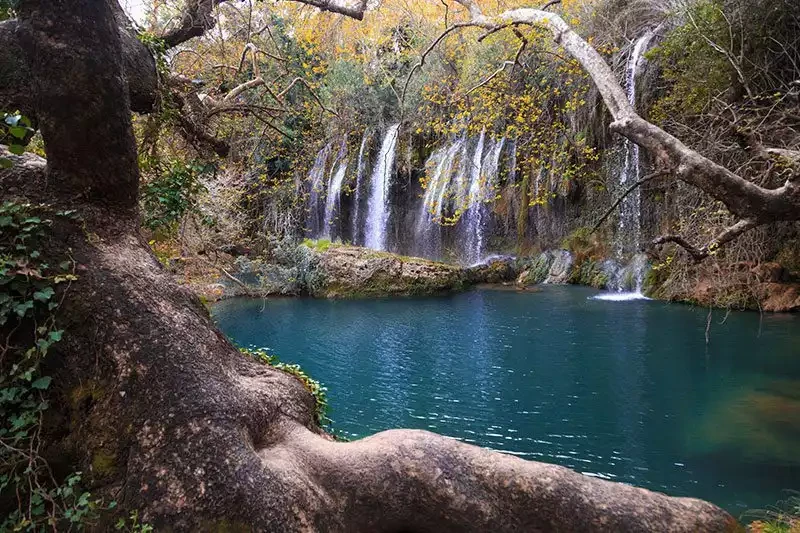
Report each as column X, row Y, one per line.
column 463, row 179
column 314, row 220
column 361, row 169
column 484, row 181
column 471, row 221
column 512, row 161
column 629, row 230
column 439, row 168
column 333, row 199
column 378, row 206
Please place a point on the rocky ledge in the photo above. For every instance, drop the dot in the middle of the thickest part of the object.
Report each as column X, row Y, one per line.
column 325, row 270
column 350, row 271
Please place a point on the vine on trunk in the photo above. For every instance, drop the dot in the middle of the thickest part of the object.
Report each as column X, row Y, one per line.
column 32, row 287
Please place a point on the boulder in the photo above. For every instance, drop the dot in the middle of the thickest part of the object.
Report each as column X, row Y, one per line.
column 350, row 271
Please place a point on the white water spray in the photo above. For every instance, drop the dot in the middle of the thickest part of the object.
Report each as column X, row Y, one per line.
column 629, row 231
column 315, row 177
column 361, row 169
column 333, row 199
column 378, row 205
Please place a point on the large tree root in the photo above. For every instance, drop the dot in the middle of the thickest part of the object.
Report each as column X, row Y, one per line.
column 198, row 436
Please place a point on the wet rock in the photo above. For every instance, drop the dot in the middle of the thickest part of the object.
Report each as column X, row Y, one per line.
column 770, row 273
column 560, row 268
column 537, row 271
column 494, row 270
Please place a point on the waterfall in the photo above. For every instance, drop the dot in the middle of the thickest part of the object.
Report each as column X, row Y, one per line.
column 483, row 183
column 629, row 231
column 378, row 204
column 314, row 222
column 439, row 169
column 360, row 170
column 333, row 199
column 492, row 163
column 512, row 161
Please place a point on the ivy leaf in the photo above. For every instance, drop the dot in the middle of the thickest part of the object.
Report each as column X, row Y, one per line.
column 5, row 163
column 16, row 149
column 23, row 308
column 18, row 131
column 44, row 294
column 42, row 383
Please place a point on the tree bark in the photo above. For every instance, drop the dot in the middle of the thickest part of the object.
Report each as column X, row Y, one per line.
column 82, row 102
column 171, row 420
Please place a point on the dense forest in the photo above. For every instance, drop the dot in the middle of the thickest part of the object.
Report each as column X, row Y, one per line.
column 166, row 164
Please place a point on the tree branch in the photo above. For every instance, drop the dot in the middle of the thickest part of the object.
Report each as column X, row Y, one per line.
column 314, row 94
column 197, row 17
column 625, row 195
column 698, row 254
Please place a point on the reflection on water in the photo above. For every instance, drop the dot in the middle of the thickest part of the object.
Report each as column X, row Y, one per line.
column 627, row 391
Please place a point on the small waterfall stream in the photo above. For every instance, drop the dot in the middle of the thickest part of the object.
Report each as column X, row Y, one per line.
column 332, row 200
column 472, row 203
column 361, row 169
column 314, row 217
column 629, row 230
column 378, row 205
column 484, row 182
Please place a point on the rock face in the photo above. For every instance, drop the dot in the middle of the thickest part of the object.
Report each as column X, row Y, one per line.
column 350, row 271
column 764, row 286
column 780, row 297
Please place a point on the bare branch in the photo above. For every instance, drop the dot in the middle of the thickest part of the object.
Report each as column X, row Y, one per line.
column 423, row 57
column 197, row 17
column 314, row 94
column 239, row 89
column 625, row 195
column 698, row 254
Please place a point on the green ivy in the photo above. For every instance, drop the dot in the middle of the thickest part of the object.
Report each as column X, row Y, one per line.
column 132, row 524
column 31, row 290
column 8, row 9
column 158, row 48
column 14, row 129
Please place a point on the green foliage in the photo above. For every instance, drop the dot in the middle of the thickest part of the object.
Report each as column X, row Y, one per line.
column 313, row 386
column 14, row 129
column 30, row 285
column 8, row 9
column 318, row 245
column 172, row 194
column 158, row 48
column 291, row 268
column 783, row 518
column 132, row 524
column 694, row 71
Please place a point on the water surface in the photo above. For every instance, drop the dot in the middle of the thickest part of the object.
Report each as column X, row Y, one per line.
column 627, row 391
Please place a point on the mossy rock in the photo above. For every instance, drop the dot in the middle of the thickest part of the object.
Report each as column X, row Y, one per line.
column 104, row 464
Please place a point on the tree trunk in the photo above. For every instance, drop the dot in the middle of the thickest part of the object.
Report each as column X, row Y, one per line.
column 168, row 418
